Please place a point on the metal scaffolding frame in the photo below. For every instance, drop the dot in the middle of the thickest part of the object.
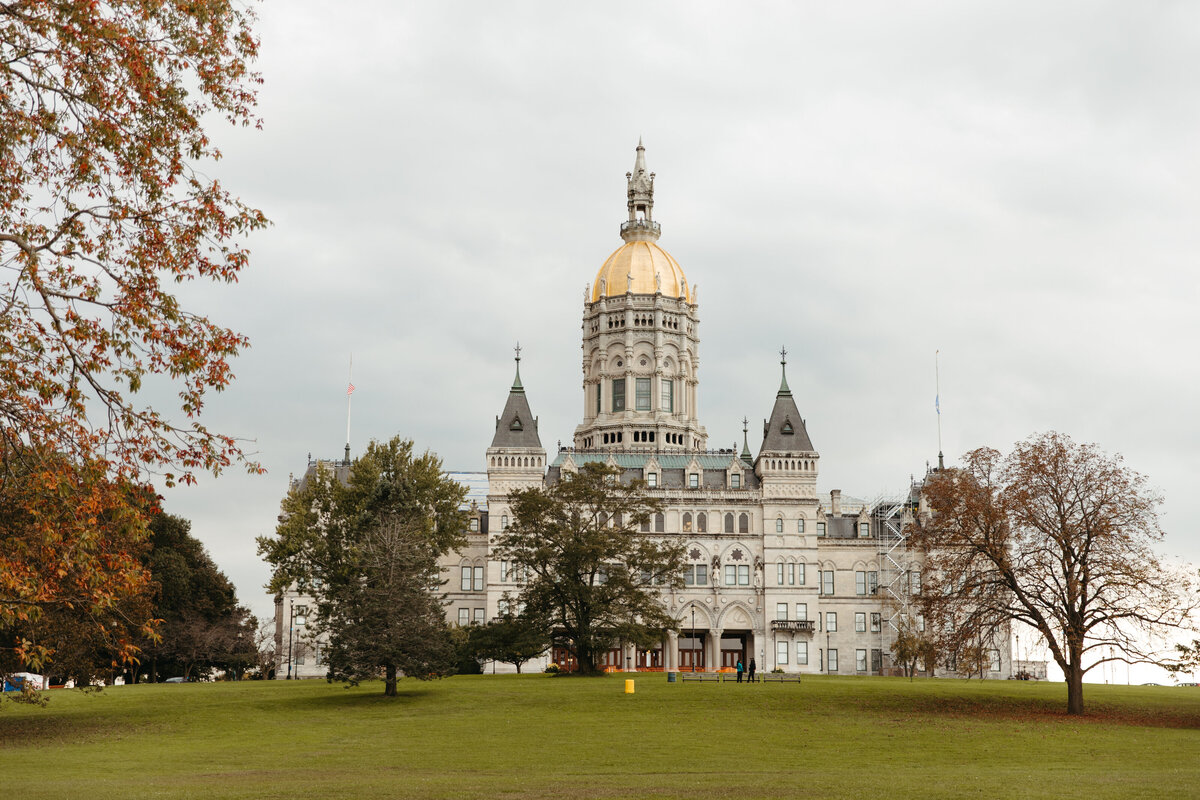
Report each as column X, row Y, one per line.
column 888, row 516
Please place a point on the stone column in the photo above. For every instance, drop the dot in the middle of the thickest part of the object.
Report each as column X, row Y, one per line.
column 714, row 649
column 671, row 652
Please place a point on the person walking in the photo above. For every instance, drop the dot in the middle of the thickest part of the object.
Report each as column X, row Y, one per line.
column 750, row 675
column 739, row 670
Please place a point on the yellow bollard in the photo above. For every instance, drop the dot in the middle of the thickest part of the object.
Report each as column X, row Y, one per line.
column 629, row 686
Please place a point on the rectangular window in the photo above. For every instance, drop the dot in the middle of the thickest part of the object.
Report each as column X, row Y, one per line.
column 802, row 653
column 652, row 480
column 618, row 394
column 873, row 582
column 994, row 660
column 599, row 393
column 914, row 582
column 735, row 480
column 781, row 611
column 827, row 581
column 474, row 524
column 502, row 607
column 833, row 661
column 831, row 622
column 820, row 529
column 641, row 394
column 921, row 623
column 464, row 616
column 876, row 660
column 503, row 571
column 779, row 526
column 875, row 622
column 689, row 575
column 779, row 573
column 791, row 574
column 799, row 526
column 465, row 584
column 731, row 575
column 801, row 611
column 694, row 480
column 701, row 575
column 781, row 652
column 864, row 530
column 668, row 396
column 860, row 621
column 860, row 582
column 743, row 574
column 479, row 616
column 860, row 660
column 479, row 579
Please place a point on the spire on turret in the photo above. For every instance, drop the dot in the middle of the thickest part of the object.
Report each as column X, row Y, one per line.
column 746, row 456
column 517, row 387
column 784, row 391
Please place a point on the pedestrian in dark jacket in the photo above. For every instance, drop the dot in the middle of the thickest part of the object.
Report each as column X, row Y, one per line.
column 751, row 673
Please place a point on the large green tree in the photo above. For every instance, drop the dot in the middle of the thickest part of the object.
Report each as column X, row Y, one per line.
column 594, row 575
column 510, row 639
column 1058, row 536
column 202, row 625
column 368, row 549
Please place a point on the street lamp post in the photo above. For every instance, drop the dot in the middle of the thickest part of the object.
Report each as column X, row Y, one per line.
column 693, row 638
column 293, row 622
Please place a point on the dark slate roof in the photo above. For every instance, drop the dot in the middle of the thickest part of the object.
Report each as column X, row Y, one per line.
column 785, row 432
column 672, row 467
column 516, row 426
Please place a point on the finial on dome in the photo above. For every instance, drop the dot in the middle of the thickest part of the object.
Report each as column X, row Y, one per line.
column 640, row 195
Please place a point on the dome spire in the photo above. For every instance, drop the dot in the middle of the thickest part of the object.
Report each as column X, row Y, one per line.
column 640, row 227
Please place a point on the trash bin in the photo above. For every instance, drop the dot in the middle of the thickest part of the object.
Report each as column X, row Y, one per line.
column 670, row 677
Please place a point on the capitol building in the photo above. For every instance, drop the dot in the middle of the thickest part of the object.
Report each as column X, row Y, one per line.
column 800, row 581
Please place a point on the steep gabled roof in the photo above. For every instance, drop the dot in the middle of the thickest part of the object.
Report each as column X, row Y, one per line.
column 785, row 432
column 516, row 426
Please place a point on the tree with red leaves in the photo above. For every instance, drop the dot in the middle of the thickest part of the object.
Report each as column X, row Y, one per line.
column 105, row 205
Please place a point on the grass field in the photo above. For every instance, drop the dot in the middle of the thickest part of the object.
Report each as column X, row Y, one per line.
column 538, row 736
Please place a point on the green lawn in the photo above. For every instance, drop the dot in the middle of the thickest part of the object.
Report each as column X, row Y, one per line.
column 538, row 736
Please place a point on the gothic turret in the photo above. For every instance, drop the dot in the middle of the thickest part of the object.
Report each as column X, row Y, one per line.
column 787, row 460
column 516, row 458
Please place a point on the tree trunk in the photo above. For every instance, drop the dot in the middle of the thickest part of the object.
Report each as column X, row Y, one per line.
column 389, row 683
column 1074, row 688
column 518, row 667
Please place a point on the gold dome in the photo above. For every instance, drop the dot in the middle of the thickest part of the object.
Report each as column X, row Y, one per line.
column 643, row 260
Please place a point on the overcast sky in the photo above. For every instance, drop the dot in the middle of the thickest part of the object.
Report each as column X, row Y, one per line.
column 867, row 183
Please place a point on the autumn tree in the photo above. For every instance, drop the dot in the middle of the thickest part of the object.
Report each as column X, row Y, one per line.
column 106, row 203
column 1058, row 536
column 368, row 550
column 594, row 576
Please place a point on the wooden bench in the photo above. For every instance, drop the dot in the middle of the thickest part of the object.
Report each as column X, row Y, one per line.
column 780, row 677
column 699, row 676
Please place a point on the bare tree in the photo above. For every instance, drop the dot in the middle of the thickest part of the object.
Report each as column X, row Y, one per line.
column 1058, row 536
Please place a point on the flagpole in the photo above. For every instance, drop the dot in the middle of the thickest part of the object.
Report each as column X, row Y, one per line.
column 937, row 404
column 349, row 396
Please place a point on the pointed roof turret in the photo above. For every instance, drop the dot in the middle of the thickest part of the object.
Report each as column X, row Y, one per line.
column 785, row 431
column 749, row 459
column 516, row 426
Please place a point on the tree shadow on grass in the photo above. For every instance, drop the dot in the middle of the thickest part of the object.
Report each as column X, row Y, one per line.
column 1036, row 709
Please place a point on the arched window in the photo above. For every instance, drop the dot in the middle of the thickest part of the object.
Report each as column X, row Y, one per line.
column 687, row 522
column 779, row 525
column 744, row 523
column 800, row 525
column 660, row 523
column 702, row 522
column 729, row 523
column 503, row 521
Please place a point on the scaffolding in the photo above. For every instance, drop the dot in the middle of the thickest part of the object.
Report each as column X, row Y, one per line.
column 890, row 514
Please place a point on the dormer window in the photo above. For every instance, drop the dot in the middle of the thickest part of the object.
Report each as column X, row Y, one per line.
column 652, row 480
column 693, row 480
column 735, row 480
column 516, row 424
column 787, row 427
